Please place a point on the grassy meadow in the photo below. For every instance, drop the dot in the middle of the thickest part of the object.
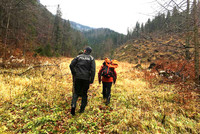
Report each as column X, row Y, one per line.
column 39, row 102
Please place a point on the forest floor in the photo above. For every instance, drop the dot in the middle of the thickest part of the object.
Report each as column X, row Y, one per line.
column 38, row 101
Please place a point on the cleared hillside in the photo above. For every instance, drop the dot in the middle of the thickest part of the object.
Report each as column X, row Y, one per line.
column 153, row 48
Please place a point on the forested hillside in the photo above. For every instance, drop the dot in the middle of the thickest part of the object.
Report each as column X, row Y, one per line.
column 80, row 27
column 30, row 28
column 104, row 41
column 28, row 25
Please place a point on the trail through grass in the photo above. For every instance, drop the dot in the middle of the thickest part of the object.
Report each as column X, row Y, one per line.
column 39, row 102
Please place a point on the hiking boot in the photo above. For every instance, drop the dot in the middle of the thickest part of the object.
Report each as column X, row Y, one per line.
column 73, row 111
column 107, row 101
column 82, row 110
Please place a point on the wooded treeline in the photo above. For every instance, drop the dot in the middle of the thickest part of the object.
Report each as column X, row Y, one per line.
column 175, row 20
column 28, row 25
column 104, row 41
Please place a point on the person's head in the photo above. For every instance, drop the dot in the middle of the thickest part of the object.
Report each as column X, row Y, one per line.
column 80, row 52
column 88, row 50
column 107, row 60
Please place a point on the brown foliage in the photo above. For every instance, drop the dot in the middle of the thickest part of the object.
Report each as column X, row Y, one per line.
column 179, row 70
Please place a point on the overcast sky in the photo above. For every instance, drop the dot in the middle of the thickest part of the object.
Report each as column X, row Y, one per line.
column 117, row 15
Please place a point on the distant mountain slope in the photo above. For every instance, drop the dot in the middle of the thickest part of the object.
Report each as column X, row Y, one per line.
column 99, row 35
column 103, row 41
column 80, row 27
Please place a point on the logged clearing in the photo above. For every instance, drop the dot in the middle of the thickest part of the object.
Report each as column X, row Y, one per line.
column 39, row 102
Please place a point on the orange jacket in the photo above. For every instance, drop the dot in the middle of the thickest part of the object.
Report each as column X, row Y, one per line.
column 104, row 79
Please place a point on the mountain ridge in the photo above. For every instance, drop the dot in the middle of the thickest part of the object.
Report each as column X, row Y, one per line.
column 80, row 27
column 86, row 28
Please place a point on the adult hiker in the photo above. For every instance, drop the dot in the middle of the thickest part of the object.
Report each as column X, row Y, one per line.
column 83, row 69
column 73, row 77
column 107, row 75
column 80, row 52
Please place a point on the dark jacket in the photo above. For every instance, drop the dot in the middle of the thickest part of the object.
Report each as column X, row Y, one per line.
column 83, row 67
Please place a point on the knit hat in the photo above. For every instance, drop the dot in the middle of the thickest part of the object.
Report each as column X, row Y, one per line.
column 88, row 49
column 80, row 52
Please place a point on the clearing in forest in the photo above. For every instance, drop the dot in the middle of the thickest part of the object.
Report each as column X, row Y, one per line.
column 38, row 101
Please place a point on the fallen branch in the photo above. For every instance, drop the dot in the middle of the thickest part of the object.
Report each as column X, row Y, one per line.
column 59, row 75
column 30, row 68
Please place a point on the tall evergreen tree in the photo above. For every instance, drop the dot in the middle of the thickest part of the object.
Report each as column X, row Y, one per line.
column 57, row 31
column 137, row 29
column 167, row 20
column 176, row 20
column 148, row 27
column 142, row 28
column 67, row 39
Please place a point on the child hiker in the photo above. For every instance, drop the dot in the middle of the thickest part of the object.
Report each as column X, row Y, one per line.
column 107, row 75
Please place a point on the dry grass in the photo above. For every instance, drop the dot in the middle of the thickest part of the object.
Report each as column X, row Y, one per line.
column 39, row 102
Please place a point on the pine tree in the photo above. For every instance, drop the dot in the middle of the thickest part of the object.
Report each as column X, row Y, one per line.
column 148, row 27
column 167, row 20
column 67, row 48
column 57, row 31
column 142, row 28
column 176, row 20
column 137, row 29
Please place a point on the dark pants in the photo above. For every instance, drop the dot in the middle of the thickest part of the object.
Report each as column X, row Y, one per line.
column 107, row 90
column 81, row 89
column 73, row 86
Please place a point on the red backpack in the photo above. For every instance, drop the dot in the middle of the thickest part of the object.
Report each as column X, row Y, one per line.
column 108, row 68
column 107, row 72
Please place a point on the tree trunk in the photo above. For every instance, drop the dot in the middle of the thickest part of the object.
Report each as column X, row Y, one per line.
column 6, row 38
column 187, row 42
column 196, row 43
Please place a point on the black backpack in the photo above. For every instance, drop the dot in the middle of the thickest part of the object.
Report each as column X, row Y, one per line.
column 107, row 72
